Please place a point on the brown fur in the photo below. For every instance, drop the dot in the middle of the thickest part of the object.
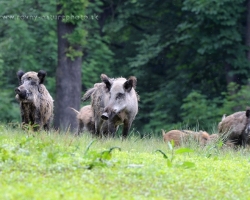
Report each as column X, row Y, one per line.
column 85, row 119
column 98, row 94
column 36, row 104
column 235, row 128
column 214, row 137
column 180, row 136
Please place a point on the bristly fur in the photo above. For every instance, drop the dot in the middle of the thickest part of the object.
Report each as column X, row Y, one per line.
column 100, row 96
column 235, row 128
column 179, row 136
column 85, row 119
column 36, row 104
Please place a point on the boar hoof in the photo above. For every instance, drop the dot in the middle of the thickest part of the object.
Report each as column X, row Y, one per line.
column 105, row 116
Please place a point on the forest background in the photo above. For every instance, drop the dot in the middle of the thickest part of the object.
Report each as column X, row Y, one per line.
column 190, row 57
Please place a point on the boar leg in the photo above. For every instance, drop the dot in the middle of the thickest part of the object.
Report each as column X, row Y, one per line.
column 80, row 127
column 46, row 127
column 37, row 121
column 25, row 114
column 98, row 127
column 111, row 129
column 126, row 128
column 25, row 119
column 244, row 139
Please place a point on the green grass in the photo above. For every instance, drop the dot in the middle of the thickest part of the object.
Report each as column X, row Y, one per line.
column 61, row 166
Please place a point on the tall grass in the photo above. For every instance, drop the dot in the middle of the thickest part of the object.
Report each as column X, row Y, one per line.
column 53, row 165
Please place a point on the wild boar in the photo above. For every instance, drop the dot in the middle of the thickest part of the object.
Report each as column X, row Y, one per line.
column 99, row 96
column 116, row 101
column 36, row 104
column 235, row 128
column 181, row 136
column 85, row 119
column 122, row 105
column 213, row 137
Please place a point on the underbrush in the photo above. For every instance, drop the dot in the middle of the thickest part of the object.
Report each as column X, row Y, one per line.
column 63, row 166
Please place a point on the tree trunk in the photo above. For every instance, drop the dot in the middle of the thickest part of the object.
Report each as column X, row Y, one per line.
column 248, row 30
column 68, row 80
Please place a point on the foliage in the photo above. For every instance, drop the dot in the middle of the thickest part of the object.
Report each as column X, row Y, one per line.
column 199, row 111
column 73, row 13
column 236, row 98
column 95, row 159
column 185, row 164
column 26, row 43
column 98, row 56
column 172, row 58
column 189, row 56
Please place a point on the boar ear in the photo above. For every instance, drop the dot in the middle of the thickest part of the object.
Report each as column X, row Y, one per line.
column 248, row 112
column 105, row 79
column 19, row 74
column 131, row 82
column 41, row 75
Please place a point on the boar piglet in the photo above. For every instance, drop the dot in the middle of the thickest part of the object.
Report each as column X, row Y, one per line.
column 85, row 119
column 213, row 137
column 99, row 95
column 182, row 136
column 36, row 104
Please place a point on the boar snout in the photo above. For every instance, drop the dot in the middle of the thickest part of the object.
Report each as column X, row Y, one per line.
column 109, row 113
column 105, row 116
column 17, row 91
column 22, row 93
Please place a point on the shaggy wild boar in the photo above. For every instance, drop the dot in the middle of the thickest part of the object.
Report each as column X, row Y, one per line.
column 181, row 136
column 115, row 101
column 36, row 104
column 98, row 96
column 235, row 128
column 85, row 119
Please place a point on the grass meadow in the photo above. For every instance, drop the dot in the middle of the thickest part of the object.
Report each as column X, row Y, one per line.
column 62, row 166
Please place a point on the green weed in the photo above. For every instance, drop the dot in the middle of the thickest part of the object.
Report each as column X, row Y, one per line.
column 62, row 166
column 185, row 164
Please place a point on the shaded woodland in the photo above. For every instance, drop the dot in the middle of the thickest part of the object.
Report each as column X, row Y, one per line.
column 190, row 57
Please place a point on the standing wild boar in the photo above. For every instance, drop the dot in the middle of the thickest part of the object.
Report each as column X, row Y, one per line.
column 85, row 119
column 115, row 101
column 36, row 104
column 181, row 136
column 235, row 128
column 99, row 96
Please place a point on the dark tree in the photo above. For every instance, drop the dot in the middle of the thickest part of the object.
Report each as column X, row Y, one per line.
column 248, row 30
column 68, row 76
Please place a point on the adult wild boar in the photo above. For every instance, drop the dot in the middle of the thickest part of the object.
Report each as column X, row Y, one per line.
column 36, row 104
column 115, row 101
column 235, row 128
column 85, row 119
column 99, row 96
column 181, row 136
